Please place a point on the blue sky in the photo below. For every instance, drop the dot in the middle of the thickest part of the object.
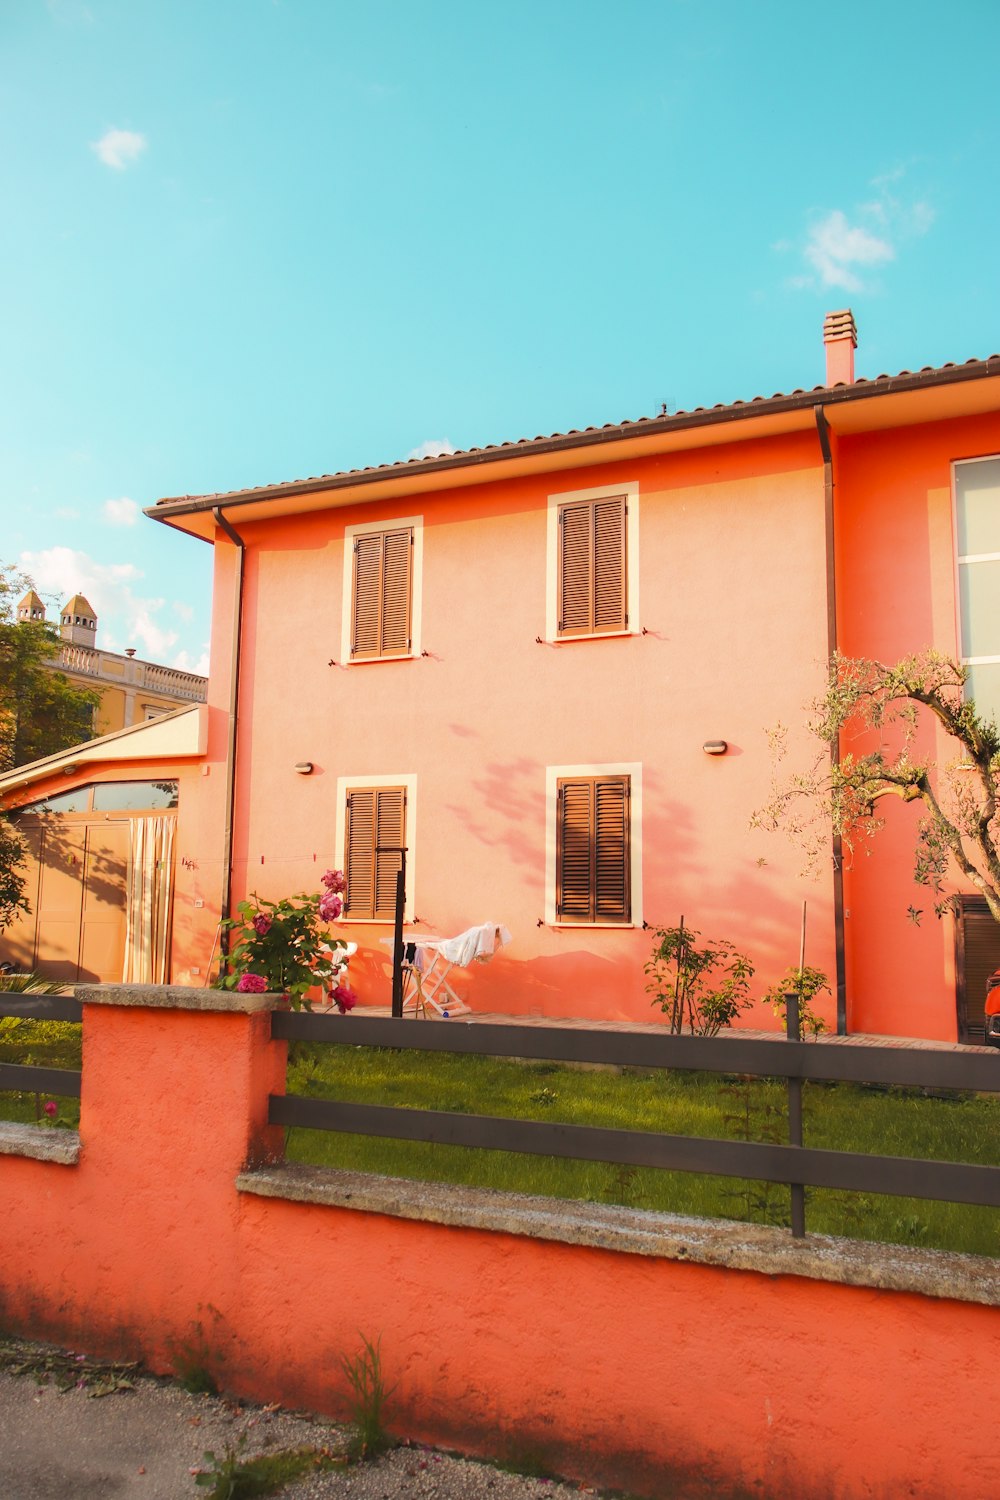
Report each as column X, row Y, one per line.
column 250, row 240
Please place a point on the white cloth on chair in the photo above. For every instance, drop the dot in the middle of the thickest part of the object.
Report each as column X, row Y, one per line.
column 475, row 943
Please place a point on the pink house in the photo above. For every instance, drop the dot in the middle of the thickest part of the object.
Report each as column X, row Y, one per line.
column 549, row 668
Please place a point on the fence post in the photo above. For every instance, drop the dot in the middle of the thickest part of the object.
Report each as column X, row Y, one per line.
column 397, row 943
column 793, row 1034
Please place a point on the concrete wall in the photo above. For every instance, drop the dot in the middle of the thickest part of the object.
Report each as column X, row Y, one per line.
column 659, row 1355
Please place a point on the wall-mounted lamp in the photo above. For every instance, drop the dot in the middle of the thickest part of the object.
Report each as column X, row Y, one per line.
column 715, row 747
column 304, row 767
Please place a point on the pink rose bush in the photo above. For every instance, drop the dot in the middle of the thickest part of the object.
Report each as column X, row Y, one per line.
column 343, row 998
column 280, row 946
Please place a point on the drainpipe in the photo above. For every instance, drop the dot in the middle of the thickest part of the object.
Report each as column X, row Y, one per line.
column 823, row 430
column 234, row 704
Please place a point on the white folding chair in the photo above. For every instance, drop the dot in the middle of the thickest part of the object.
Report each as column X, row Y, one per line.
column 434, row 959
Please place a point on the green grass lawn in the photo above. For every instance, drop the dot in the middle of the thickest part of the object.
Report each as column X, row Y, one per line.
column 45, row 1044
column 845, row 1117
column 956, row 1127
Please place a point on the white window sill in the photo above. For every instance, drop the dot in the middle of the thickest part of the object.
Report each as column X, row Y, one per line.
column 594, row 635
column 595, row 926
column 373, row 661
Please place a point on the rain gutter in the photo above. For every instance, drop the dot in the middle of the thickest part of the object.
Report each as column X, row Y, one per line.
column 234, row 706
column 823, row 431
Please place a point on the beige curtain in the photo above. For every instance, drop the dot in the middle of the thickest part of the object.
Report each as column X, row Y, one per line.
column 149, row 900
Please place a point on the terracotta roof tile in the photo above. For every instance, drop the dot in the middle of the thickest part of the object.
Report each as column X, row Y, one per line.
column 862, row 385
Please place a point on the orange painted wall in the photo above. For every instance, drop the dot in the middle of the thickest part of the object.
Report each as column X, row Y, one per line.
column 896, row 582
column 732, row 586
column 652, row 1375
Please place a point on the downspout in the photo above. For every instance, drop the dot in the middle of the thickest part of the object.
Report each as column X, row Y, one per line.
column 234, row 705
column 823, row 430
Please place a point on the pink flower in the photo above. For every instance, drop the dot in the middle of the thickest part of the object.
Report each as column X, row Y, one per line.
column 262, row 924
column 344, row 998
column 252, row 984
column 330, row 906
column 51, row 1108
column 334, row 880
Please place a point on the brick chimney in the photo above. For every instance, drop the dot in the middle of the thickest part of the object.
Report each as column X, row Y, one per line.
column 840, row 335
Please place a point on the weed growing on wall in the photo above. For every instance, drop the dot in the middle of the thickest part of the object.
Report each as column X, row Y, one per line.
column 368, row 1397
column 195, row 1358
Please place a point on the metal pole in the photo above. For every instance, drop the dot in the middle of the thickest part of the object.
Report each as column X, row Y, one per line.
column 397, row 945
column 795, row 1118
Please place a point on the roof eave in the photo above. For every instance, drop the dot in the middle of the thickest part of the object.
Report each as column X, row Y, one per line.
column 170, row 509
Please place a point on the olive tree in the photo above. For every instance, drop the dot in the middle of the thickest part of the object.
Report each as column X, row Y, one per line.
column 872, row 725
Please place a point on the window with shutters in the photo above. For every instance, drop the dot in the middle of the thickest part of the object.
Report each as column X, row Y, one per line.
column 375, row 820
column 594, row 845
column 382, row 566
column 592, row 553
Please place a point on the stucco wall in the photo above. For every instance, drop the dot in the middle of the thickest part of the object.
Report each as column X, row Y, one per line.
column 731, row 574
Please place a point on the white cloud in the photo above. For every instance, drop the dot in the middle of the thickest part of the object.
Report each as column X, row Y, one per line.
column 119, row 148
column 433, row 448
column 835, row 246
column 839, row 246
column 123, row 512
column 125, row 617
column 184, row 662
column 185, row 611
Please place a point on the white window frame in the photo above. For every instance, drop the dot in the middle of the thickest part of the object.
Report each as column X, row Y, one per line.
column 553, row 776
column 963, row 560
column 408, row 781
column 568, row 497
column 367, row 528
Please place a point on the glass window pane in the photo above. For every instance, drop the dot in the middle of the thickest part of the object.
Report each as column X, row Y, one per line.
column 78, row 800
column 134, row 796
column 979, row 585
column 977, row 494
column 984, row 686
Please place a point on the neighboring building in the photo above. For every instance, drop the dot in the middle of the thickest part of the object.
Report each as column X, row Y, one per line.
column 98, row 822
column 132, row 691
column 548, row 669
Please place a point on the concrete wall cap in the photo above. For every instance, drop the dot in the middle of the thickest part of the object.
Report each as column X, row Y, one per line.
column 176, row 997
column 40, row 1143
column 724, row 1243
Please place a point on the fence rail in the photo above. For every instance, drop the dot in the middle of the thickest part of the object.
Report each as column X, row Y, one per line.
column 794, row 1165
column 30, row 1078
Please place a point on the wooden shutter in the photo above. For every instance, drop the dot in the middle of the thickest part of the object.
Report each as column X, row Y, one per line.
column 376, row 818
column 382, row 590
column 593, row 850
column 977, row 939
column 593, row 580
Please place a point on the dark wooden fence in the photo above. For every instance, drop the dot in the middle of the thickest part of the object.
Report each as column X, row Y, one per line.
column 795, row 1165
column 28, row 1078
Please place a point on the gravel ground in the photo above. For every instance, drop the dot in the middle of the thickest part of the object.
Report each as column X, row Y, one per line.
column 147, row 1439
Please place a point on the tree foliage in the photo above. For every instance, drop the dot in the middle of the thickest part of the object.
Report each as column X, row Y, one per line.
column 41, row 712
column 873, row 722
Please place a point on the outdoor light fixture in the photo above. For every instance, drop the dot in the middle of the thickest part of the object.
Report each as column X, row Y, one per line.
column 304, row 767
column 715, row 747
